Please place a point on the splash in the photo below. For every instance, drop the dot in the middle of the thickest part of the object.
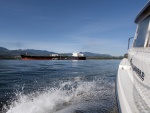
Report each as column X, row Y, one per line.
column 65, row 98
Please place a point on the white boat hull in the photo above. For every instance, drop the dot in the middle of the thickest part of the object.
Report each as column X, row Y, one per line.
column 130, row 96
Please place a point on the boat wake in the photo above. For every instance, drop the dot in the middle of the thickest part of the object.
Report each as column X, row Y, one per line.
column 73, row 96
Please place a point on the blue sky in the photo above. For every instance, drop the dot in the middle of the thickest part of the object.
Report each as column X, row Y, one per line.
column 99, row 26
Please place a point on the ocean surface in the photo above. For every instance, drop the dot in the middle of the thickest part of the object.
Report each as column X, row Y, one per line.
column 55, row 86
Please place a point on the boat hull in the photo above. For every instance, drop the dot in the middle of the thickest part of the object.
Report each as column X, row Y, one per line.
column 124, row 88
column 132, row 82
column 32, row 57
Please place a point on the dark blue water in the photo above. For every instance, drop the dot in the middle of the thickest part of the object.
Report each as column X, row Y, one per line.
column 58, row 86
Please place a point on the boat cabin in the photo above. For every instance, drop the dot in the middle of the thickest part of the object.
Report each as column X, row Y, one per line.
column 77, row 54
column 142, row 35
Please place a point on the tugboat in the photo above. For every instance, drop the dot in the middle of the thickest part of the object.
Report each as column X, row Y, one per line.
column 75, row 56
column 133, row 79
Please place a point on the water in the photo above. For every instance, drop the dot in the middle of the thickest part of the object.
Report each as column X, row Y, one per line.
column 58, row 86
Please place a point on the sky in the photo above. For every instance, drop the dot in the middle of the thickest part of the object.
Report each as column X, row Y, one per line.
column 63, row 26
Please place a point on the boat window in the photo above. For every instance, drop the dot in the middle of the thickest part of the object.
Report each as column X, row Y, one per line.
column 142, row 32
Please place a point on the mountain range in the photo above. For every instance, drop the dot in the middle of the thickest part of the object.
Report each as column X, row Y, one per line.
column 7, row 52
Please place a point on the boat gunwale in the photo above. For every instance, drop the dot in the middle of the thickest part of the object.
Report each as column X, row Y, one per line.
column 117, row 97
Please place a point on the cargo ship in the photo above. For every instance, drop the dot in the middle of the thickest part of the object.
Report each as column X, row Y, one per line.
column 75, row 56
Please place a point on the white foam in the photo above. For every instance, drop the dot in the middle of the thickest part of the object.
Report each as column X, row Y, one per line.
column 52, row 100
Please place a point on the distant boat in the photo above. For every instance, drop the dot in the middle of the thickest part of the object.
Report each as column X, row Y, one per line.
column 133, row 79
column 75, row 56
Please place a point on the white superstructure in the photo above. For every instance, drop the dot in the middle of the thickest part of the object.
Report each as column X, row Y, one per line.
column 54, row 55
column 75, row 54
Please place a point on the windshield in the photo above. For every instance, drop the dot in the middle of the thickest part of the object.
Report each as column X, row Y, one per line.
column 142, row 33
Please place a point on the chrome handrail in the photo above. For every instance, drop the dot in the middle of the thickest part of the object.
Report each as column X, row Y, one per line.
column 129, row 41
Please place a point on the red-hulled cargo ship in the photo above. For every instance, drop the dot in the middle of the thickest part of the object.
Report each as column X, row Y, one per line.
column 75, row 56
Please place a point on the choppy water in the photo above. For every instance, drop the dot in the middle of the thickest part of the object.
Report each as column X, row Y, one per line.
column 58, row 86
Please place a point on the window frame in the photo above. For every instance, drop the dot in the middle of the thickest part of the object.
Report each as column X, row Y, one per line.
column 147, row 36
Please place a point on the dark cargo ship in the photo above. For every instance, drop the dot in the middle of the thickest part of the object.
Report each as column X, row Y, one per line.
column 75, row 56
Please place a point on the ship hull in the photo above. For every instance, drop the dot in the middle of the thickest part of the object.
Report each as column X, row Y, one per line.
column 32, row 57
